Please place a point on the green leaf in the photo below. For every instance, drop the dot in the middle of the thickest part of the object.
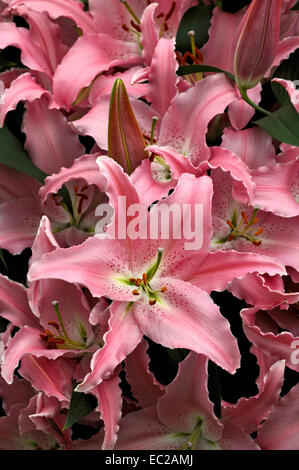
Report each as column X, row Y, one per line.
column 13, row 155
column 197, row 19
column 81, row 405
column 281, row 93
column 187, row 69
column 283, row 124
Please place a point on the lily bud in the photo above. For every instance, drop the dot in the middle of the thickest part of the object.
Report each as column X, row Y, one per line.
column 257, row 43
column 125, row 140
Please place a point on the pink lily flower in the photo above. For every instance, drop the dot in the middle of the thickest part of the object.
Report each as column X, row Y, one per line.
column 152, row 289
column 247, row 228
column 284, row 417
column 181, row 143
column 262, row 329
column 123, row 33
column 49, row 341
column 183, row 417
column 15, row 399
column 43, row 414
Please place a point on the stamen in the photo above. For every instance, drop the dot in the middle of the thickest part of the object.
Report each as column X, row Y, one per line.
column 135, row 18
column 259, row 231
column 144, row 277
column 244, row 217
column 132, row 280
column 135, row 292
column 54, row 197
column 231, row 237
column 136, row 26
column 199, row 55
column 230, row 224
column 56, row 341
column 48, row 333
column 43, row 336
column 152, row 301
column 125, row 28
column 171, row 11
column 55, row 324
column 256, row 243
column 164, row 288
column 138, row 282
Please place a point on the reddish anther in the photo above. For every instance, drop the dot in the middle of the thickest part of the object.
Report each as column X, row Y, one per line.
column 55, row 324
column 259, row 231
column 170, row 12
column 244, row 217
column 135, row 26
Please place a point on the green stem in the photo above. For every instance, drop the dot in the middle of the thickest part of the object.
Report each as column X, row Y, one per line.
column 125, row 3
column 255, row 106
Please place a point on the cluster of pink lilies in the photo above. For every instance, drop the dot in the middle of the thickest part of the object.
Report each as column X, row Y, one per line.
column 109, row 72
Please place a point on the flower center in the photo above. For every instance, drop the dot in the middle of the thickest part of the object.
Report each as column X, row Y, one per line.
column 244, row 227
column 193, row 437
column 61, row 338
column 142, row 284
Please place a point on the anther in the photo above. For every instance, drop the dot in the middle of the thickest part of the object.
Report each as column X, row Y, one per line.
column 171, row 11
column 144, row 278
column 230, row 224
column 138, row 282
column 43, row 336
column 135, row 292
column 152, row 301
column 231, row 237
column 164, row 288
column 54, row 198
column 244, row 217
column 256, row 243
column 125, row 28
column 55, row 324
column 132, row 280
column 160, row 15
column 259, row 231
column 135, row 26
column 84, row 188
column 49, row 333
column 56, row 341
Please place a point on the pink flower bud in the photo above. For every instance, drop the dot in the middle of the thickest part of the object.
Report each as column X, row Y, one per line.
column 257, row 42
column 125, row 140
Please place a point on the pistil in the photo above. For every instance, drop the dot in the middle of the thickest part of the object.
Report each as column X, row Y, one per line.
column 143, row 283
